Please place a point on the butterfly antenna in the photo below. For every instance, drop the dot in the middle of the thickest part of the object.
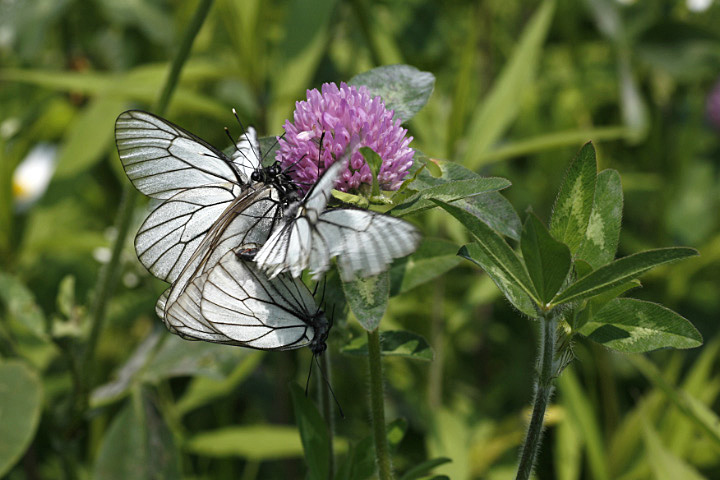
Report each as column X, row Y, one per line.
column 277, row 140
column 327, row 382
column 292, row 165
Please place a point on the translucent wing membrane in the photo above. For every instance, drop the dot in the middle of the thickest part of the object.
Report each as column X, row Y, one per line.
column 173, row 231
column 246, row 306
column 365, row 242
column 161, row 159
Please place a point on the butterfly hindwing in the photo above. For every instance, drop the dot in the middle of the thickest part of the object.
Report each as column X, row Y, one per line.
column 245, row 305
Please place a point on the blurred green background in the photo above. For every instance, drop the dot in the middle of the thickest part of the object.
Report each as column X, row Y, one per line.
column 520, row 87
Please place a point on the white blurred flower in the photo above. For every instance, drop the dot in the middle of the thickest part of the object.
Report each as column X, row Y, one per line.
column 102, row 254
column 698, row 5
column 32, row 176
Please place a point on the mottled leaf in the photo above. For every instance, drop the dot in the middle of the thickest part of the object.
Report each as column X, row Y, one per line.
column 574, row 202
column 496, row 257
column 547, row 260
column 403, row 88
column 20, row 407
column 516, row 295
column 603, row 231
column 368, row 299
column 393, row 344
column 636, row 326
column 620, row 271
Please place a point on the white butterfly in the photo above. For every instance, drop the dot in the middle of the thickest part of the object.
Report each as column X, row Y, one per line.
column 364, row 242
column 213, row 208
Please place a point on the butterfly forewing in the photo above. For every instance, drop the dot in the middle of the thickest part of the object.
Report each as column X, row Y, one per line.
column 161, row 159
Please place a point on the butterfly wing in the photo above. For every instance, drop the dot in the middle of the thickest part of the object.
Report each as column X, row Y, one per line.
column 246, row 222
column 242, row 303
column 289, row 247
column 162, row 159
column 246, row 156
column 174, row 230
column 365, row 242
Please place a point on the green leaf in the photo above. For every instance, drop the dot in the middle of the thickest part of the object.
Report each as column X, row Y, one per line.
column 603, row 231
column 373, row 161
column 502, row 104
column 368, row 299
column 360, row 463
column 491, row 207
column 596, row 303
column 398, row 343
column 306, row 36
column 424, row 468
column 496, row 257
column 20, row 406
column 254, row 442
column 581, row 413
column 89, row 136
column 138, row 445
column 450, row 192
column 574, row 203
column 203, row 390
column 20, row 304
column 620, row 271
column 702, row 416
column 126, row 375
column 503, row 278
column 313, row 433
column 636, row 326
column 403, row 88
column 433, row 258
column 547, row 260
column 665, row 465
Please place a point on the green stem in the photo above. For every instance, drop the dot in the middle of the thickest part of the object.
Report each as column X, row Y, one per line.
column 543, row 392
column 326, row 406
column 108, row 275
column 377, row 407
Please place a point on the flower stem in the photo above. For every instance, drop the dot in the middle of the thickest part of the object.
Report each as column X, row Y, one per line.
column 377, row 407
column 543, row 392
column 327, row 407
column 108, row 276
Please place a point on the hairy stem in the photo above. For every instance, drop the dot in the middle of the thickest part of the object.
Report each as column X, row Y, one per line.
column 543, row 392
column 108, row 276
column 377, row 407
